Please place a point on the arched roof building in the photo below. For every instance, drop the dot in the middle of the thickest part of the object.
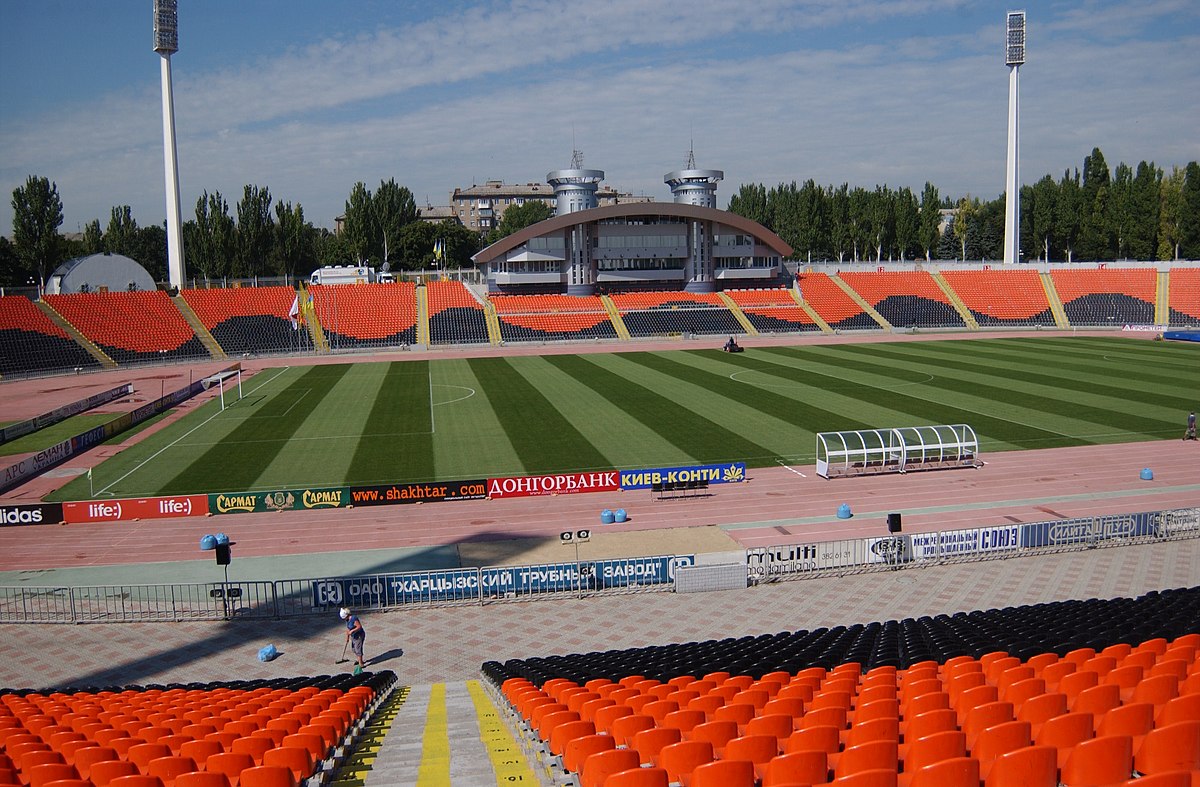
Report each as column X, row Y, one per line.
column 661, row 245
column 98, row 273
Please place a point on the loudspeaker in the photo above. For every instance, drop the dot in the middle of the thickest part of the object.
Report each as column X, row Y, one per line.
column 223, row 555
column 893, row 523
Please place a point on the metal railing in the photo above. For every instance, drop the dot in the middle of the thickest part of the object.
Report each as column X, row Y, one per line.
column 578, row 578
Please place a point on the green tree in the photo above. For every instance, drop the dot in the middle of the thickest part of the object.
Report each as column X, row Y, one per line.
column 149, row 247
column 1189, row 212
column 359, row 226
column 1038, row 204
column 93, row 238
column 256, row 231
column 860, row 222
column 1067, row 210
column 930, row 220
column 1170, row 203
column 332, row 249
column 518, row 217
column 37, row 215
column 1119, row 209
column 963, row 217
column 1142, row 243
column 1096, row 235
column 212, row 243
column 841, row 238
column 295, row 248
column 751, row 202
column 12, row 272
column 393, row 208
column 814, row 225
column 121, row 235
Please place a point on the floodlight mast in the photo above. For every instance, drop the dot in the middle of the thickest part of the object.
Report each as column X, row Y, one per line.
column 166, row 43
column 1014, row 57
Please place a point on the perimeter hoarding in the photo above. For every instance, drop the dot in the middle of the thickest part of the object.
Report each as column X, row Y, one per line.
column 559, row 484
column 387, row 590
column 172, row 507
column 713, row 474
column 305, row 499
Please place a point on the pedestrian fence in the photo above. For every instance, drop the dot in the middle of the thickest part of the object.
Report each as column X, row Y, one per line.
column 285, row 598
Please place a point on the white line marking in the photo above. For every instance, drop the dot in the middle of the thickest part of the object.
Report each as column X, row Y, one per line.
column 429, row 374
column 459, row 399
column 794, row 470
column 179, row 439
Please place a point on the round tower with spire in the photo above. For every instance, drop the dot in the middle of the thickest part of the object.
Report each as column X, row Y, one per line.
column 574, row 188
column 692, row 186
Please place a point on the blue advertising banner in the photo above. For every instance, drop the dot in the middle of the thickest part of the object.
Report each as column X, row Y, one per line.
column 1074, row 531
column 386, row 590
column 713, row 474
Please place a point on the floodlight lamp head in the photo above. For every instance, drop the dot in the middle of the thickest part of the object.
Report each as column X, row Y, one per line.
column 1014, row 47
column 166, row 26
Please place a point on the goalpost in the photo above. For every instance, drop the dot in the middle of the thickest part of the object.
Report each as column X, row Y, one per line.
column 219, row 379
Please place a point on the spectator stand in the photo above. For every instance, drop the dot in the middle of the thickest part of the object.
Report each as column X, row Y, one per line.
column 896, row 450
column 1107, row 297
column 31, row 343
column 834, row 304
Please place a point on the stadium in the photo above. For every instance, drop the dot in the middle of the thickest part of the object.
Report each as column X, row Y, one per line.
column 585, row 541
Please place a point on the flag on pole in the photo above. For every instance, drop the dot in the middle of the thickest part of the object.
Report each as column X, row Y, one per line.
column 294, row 314
column 89, row 474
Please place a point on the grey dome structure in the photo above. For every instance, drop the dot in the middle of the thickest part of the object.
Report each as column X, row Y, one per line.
column 99, row 273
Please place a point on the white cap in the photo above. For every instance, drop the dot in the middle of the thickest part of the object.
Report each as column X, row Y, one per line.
column 344, row 613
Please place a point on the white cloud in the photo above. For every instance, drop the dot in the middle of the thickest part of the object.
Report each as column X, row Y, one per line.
column 501, row 94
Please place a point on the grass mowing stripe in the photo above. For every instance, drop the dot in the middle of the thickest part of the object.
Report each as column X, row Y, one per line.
column 400, row 445
column 862, row 357
column 619, row 436
column 800, row 414
column 237, row 462
column 1021, row 394
column 695, row 435
column 1140, row 375
column 545, row 441
column 470, row 440
column 923, row 410
column 1158, row 355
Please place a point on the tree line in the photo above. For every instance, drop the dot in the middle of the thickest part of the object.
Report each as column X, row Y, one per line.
column 259, row 237
column 1089, row 214
column 1137, row 214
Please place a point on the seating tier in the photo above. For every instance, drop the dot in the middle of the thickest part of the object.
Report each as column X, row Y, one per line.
column 910, row 298
column 284, row 729
column 1106, row 296
column 131, row 327
column 671, row 313
column 1091, row 692
column 1185, row 296
column 833, row 304
column 1002, row 297
column 772, row 311
column 366, row 315
column 247, row 319
column 31, row 344
column 455, row 315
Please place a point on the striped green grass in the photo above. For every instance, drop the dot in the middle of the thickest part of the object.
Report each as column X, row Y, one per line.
column 421, row 420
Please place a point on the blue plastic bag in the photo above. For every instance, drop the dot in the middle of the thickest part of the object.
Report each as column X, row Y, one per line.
column 267, row 653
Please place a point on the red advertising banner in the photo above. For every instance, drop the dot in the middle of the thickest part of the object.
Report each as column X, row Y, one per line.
column 563, row 484
column 136, row 508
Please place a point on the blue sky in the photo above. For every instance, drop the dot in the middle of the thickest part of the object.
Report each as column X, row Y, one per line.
column 306, row 97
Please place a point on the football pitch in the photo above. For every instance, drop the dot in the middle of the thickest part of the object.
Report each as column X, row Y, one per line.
column 444, row 419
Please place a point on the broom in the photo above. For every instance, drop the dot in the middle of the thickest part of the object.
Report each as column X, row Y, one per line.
column 343, row 659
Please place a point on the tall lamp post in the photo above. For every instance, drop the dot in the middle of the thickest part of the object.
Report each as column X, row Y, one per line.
column 166, row 43
column 1014, row 57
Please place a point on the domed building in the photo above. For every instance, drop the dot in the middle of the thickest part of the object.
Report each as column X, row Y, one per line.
column 99, row 273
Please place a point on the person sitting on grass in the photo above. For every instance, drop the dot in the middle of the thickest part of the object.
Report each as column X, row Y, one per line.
column 1190, row 434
